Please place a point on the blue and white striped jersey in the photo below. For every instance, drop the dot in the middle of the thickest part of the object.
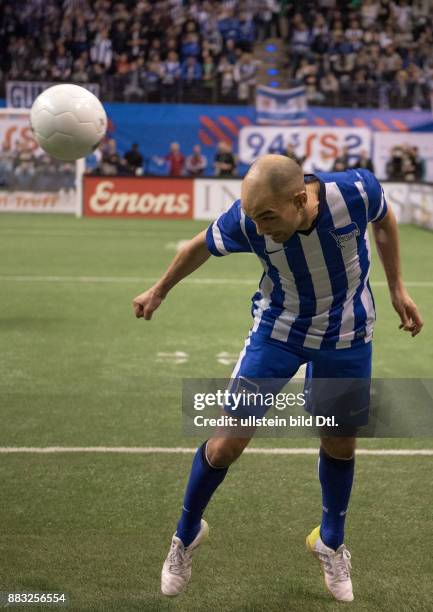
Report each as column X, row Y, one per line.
column 314, row 290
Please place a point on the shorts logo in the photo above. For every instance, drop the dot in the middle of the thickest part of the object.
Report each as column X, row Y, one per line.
column 342, row 235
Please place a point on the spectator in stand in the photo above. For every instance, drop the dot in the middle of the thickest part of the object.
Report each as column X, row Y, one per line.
column 61, row 69
column 215, row 42
column 123, row 68
column 196, row 163
column 354, row 34
column 191, row 78
column 341, row 162
column 111, row 162
column 361, row 89
column 155, row 47
column 408, row 168
column 120, row 37
column 231, row 52
column 229, row 26
column 314, row 96
column 330, row 87
column 244, row 73
column 267, row 19
column 79, row 72
column 190, row 46
column 394, row 165
column 290, row 152
column 102, row 50
column 342, row 64
column 175, row 160
column 364, row 161
column 134, row 160
column 191, row 70
column 79, row 33
column 137, row 43
column 226, row 75
column 24, row 166
column 300, row 41
column 41, row 65
column 152, row 76
column 388, row 66
column 416, row 86
column 6, row 166
column 209, row 73
column 170, row 78
column 369, row 13
column 225, row 162
column 390, row 63
column 246, row 32
column 93, row 161
column 398, row 92
column 132, row 81
column 326, row 163
column 419, row 164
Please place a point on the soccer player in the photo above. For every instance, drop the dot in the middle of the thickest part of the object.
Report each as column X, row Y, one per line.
column 314, row 305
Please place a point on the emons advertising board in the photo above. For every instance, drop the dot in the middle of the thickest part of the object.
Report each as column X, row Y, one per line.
column 151, row 198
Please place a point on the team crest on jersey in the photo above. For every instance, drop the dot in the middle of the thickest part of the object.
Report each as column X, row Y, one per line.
column 342, row 235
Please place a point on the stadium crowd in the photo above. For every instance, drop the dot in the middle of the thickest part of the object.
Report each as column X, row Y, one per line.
column 366, row 53
column 107, row 161
column 23, row 168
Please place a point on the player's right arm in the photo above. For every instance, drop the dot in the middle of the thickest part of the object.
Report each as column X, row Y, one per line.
column 225, row 235
column 188, row 258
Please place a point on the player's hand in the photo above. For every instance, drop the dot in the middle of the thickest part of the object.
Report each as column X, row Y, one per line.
column 407, row 311
column 146, row 303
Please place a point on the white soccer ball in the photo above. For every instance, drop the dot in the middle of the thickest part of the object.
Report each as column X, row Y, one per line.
column 68, row 121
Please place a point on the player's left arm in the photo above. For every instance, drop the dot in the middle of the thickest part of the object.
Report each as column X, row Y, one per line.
column 385, row 233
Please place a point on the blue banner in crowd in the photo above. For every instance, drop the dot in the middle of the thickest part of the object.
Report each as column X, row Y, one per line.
column 281, row 106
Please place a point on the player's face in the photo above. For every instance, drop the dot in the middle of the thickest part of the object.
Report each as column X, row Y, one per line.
column 279, row 221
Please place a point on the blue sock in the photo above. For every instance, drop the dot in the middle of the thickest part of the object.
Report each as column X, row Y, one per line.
column 203, row 481
column 336, row 478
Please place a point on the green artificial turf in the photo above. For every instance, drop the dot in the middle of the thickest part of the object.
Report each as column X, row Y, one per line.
column 79, row 370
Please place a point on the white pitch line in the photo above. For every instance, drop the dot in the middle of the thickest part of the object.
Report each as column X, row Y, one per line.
column 101, row 233
column 179, row 450
column 137, row 279
column 122, row 279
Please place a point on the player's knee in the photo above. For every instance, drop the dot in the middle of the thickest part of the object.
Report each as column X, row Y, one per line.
column 339, row 447
column 221, row 452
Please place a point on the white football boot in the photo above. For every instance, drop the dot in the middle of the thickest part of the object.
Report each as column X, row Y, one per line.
column 335, row 565
column 176, row 571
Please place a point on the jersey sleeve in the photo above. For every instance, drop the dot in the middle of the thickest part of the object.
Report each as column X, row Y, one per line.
column 377, row 206
column 227, row 233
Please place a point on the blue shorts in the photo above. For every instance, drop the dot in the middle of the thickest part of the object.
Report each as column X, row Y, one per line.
column 337, row 381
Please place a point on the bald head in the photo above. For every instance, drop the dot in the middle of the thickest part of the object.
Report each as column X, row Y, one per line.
column 273, row 180
column 274, row 196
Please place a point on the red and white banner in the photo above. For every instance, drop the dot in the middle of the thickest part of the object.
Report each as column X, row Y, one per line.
column 150, row 198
